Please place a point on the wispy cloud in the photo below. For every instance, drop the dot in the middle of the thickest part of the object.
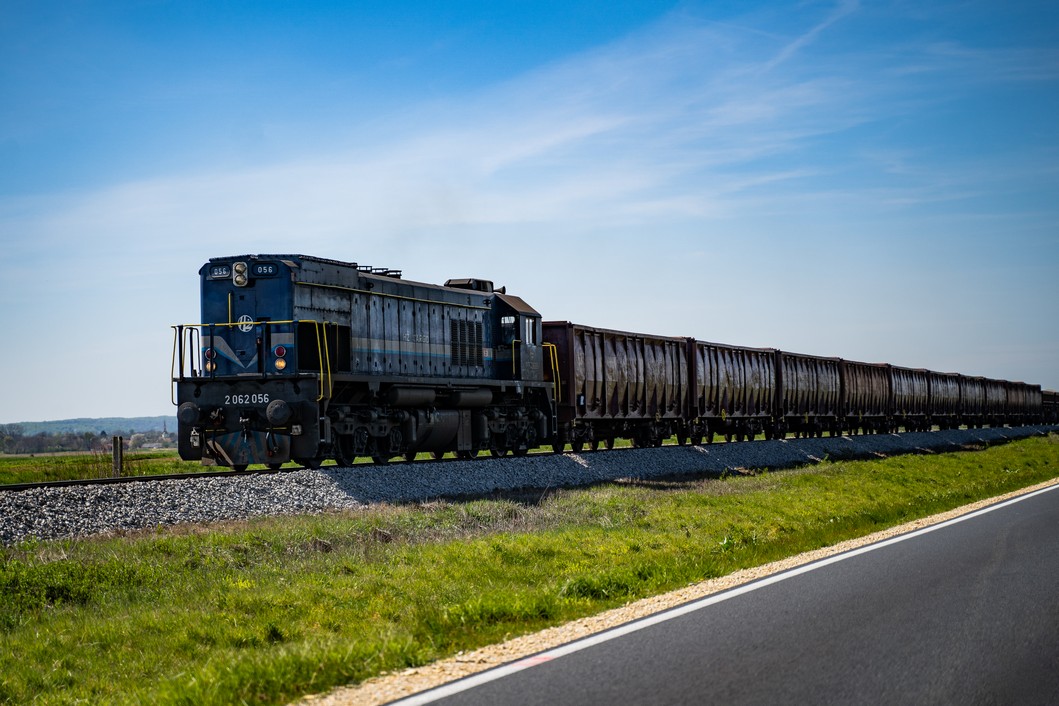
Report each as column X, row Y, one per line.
column 844, row 8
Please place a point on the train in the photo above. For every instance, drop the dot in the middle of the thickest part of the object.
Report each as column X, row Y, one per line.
column 304, row 359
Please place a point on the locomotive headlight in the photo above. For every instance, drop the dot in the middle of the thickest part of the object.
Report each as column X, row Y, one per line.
column 280, row 364
column 239, row 274
column 210, row 365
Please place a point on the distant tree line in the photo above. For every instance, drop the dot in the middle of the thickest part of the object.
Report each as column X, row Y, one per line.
column 14, row 440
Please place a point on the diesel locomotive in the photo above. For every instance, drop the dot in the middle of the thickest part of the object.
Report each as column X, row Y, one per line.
column 302, row 359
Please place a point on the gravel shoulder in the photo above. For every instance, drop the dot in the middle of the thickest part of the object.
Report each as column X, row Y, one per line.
column 56, row 513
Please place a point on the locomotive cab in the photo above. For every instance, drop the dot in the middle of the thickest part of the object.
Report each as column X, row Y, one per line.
column 518, row 340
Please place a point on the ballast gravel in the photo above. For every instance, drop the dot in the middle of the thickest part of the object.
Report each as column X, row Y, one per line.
column 54, row 513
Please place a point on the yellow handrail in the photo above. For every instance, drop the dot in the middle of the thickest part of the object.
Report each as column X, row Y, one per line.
column 553, row 355
column 515, row 350
column 324, row 354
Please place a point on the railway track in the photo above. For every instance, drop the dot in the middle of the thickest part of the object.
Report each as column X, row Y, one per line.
column 78, row 482
column 397, row 462
column 85, row 508
column 226, row 473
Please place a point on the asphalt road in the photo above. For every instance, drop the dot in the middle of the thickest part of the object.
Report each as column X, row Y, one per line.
column 965, row 612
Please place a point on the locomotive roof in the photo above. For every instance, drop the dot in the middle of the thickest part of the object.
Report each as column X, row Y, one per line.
column 286, row 257
column 516, row 303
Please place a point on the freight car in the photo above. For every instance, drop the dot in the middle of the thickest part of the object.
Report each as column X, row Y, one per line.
column 1050, row 407
column 304, row 358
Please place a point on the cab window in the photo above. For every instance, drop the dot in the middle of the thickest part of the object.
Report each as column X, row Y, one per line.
column 507, row 329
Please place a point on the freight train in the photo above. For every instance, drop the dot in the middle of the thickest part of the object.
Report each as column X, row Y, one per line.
column 303, row 359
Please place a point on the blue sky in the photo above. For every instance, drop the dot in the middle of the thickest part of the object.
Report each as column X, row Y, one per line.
column 876, row 180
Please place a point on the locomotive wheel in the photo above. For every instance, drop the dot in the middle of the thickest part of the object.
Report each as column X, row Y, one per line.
column 609, row 442
column 437, row 455
column 410, row 456
column 577, row 446
column 275, row 466
column 380, row 460
column 311, row 463
column 497, row 453
column 239, row 467
column 466, row 455
column 344, row 454
column 594, row 444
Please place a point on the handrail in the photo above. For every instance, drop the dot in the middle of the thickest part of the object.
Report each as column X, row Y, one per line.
column 553, row 355
column 180, row 359
column 324, row 354
column 173, row 362
column 185, row 334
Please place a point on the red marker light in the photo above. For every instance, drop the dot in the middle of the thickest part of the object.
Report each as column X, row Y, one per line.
column 280, row 351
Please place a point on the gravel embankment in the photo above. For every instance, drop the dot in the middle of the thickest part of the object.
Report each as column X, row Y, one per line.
column 80, row 511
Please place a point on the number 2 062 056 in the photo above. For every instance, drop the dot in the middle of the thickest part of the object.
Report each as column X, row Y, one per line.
column 256, row 398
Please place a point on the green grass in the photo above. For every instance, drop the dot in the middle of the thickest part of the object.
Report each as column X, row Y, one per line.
column 41, row 468
column 268, row 610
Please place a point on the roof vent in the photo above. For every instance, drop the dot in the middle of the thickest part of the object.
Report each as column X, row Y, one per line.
column 477, row 285
column 382, row 271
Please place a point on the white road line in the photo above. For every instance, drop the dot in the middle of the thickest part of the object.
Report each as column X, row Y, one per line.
column 502, row 671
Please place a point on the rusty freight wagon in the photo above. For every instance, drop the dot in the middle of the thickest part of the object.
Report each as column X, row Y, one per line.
column 616, row 384
column 866, row 393
column 944, row 399
column 733, row 391
column 911, row 398
column 809, row 390
column 1050, row 406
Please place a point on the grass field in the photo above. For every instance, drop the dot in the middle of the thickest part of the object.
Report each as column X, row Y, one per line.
column 40, row 468
column 268, row 610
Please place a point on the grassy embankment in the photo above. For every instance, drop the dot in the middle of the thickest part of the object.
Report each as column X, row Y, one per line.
column 267, row 610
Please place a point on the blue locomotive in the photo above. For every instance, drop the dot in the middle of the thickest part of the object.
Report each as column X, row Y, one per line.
column 304, row 358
